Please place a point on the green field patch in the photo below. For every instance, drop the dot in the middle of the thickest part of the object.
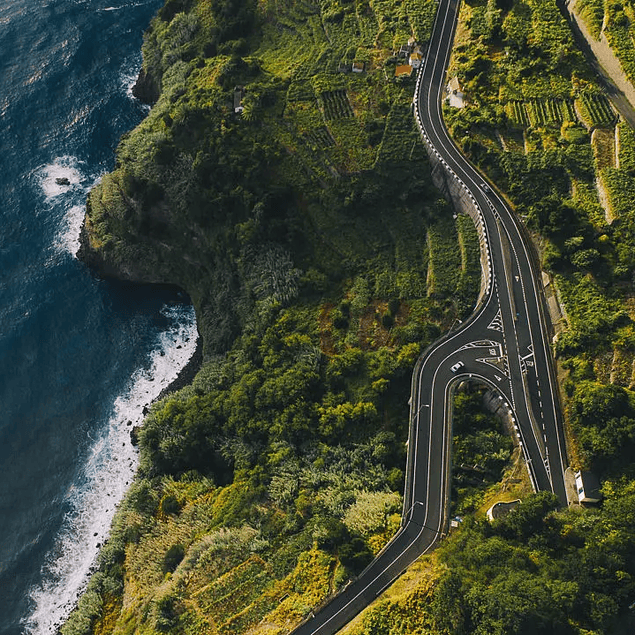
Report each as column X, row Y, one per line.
column 320, row 137
column 622, row 367
column 470, row 263
column 538, row 113
column 603, row 143
column 421, row 14
column 594, row 109
column 620, row 187
column 336, row 105
column 401, row 140
column 585, row 197
column 300, row 91
column 592, row 13
column 234, row 591
column 517, row 113
column 513, row 140
column 445, row 266
column 619, row 33
column 626, row 147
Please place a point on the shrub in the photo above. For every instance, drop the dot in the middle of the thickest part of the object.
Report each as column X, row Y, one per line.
column 173, row 557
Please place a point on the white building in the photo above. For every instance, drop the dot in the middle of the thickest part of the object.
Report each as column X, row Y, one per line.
column 587, row 487
column 415, row 58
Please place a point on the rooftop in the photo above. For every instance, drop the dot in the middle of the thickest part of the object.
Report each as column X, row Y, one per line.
column 403, row 69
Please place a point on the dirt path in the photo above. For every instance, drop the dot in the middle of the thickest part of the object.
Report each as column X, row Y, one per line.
column 605, row 63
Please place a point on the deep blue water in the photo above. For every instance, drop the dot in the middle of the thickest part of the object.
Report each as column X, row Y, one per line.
column 79, row 357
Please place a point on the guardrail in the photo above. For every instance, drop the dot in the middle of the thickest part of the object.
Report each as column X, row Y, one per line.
column 471, row 207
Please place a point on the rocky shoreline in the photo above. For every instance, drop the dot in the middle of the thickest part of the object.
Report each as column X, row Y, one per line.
column 183, row 379
column 187, row 374
column 146, row 89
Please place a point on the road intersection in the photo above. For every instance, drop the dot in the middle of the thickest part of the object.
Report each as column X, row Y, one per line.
column 504, row 344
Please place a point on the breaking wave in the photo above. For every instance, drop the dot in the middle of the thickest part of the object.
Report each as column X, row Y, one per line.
column 109, row 469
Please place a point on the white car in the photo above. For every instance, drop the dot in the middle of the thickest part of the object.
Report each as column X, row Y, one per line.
column 485, row 187
column 455, row 368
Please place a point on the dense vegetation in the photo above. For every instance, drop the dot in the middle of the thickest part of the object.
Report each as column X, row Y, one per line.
column 321, row 262
column 570, row 177
column 293, row 202
column 535, row 571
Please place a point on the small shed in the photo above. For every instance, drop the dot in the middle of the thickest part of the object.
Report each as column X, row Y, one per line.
column 587, row 487
column 455, row 98
column 239, row 93
column 403, row 70
column 358, row 67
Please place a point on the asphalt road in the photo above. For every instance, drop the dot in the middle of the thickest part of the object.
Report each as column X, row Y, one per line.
column 504, row 344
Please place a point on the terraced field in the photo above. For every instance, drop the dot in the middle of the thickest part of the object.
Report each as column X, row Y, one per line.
column 594, row 109
column 336, row 105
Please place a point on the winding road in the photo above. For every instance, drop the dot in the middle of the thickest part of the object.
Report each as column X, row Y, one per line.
column 504, row 344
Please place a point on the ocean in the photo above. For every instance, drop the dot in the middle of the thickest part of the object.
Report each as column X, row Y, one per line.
column 80, row 358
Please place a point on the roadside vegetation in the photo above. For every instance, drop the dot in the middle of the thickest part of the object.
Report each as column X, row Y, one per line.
column 614, row 21
column 536, row 121
column 570, row 180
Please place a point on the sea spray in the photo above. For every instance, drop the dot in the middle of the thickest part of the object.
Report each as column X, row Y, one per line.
column 110, row 467
column 65, row 186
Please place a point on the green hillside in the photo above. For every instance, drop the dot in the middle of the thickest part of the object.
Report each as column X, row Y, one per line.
column 321, row 261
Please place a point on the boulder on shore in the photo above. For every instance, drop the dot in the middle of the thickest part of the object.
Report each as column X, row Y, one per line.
column 134, row 435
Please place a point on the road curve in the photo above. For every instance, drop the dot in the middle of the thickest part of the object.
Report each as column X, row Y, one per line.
column 504, row 344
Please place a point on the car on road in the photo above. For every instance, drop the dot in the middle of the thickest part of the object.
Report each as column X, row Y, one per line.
column 485, row 187
column 456, row 367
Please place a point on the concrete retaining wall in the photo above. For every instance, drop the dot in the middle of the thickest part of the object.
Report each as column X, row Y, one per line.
column 456, row 192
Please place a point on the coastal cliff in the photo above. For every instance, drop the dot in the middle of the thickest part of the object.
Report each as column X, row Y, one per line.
column 253, row 152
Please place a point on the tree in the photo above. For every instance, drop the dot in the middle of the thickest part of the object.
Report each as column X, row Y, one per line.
column 527, row 518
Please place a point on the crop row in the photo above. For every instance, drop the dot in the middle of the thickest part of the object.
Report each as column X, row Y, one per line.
column 595, row 109
column 539, row 112
column 226, row 586
column 320, row 137
column 300, row 91
column 336, row 104
column 627, row 147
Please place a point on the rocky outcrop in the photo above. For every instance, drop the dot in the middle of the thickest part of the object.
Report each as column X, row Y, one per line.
column 146, row 89
column 105, row 265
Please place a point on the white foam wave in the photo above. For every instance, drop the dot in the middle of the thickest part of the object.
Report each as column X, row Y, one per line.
column 68, row 237
column 108, row 471
column 60, row 177
column 65, row 186
column 129, row 79
column 130, row 5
